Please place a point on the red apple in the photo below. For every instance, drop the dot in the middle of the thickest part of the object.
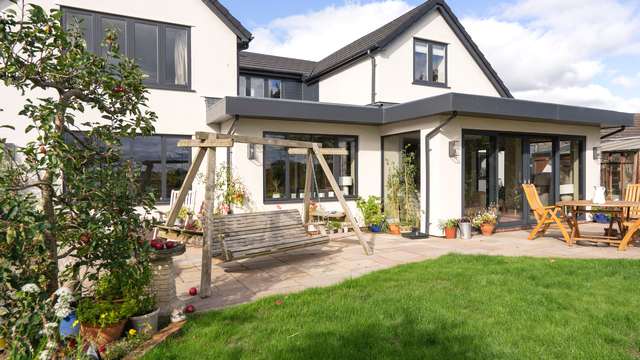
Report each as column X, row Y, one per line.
column 170, row 244
column 118, row 89
column 189, row 309
column 193, row 291
column 157, row 244
column 102, row 349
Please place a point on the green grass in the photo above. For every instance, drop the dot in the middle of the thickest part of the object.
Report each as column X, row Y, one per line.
column 455, row 307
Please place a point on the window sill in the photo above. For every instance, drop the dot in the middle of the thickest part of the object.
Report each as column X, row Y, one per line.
column 430, row 83
column 168, row 88
column 295, row 201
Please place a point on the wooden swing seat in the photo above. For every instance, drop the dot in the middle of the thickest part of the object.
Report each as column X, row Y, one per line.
column 241, row 236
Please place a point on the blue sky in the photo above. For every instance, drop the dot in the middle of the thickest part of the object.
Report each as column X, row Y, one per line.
column 569, row 51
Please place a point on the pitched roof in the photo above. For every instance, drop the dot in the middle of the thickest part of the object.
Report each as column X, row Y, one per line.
column 381, row 37
column 254, row 61
column 629, row 132
column 234, row 24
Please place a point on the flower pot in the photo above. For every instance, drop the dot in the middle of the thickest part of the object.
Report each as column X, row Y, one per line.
column 102, row 336
column 450, row 232
column 67, row 327
column 394, row 229
column 146, row 323
column 375, row 228
column 465, row 230
column 487, row 229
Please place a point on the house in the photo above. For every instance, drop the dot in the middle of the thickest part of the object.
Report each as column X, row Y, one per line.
column 620, row 158
column 418, row 83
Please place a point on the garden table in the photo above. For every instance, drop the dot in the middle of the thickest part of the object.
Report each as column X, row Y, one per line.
column 621, row 208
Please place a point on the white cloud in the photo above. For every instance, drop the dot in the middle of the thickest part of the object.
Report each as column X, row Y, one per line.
column 624, row 81
column 556, row 51
column 592, row 95
column 317, row 34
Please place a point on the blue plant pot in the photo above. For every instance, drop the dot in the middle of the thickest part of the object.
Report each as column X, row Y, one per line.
column 66, row 326
column 601, row 218
column 375, row 228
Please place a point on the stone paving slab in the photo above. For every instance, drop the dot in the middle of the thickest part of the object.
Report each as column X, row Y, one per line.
column 247, row 280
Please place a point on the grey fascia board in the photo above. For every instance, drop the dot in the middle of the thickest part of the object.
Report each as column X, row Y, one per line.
column 243, row 34
column 295, row 110
column 419, row 108
column 505, row 108
column 463, row 104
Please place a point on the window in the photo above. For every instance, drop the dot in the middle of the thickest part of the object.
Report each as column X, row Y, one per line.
column 163, row 165
column 284, row 174
column 495, row 165
column 275, row 87
column 161, row 50
column 429, row 63
column 254, row 86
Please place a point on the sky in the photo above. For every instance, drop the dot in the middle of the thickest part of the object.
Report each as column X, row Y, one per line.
column 579, row 52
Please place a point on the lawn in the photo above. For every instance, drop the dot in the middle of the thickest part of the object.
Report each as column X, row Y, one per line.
column 455, row 307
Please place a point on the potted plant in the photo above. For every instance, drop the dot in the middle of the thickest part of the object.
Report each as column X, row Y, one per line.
column 394, row 227
column 464, row 224
column 486, row 221
column 371, row 212
column 145, row 318
column 102, row 321
column 184, row 216
column 377, row 223
column 450, row 227
column 276, row 188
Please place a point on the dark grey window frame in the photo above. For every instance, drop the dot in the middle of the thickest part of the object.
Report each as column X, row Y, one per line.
column 165, row 196
column 430, row 44
column 265, row 80
column 527, row 220
column 287, row 199
column 96, row 41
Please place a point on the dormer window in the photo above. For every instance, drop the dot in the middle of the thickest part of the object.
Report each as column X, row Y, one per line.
column 429, row 63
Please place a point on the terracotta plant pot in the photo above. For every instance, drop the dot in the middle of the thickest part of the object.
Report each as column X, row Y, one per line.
column 394, row 229
column 102, row 336
column 487, row 229
column 450, row 232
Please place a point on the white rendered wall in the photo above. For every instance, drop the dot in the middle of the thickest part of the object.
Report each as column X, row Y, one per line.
column 445, row 177
column 351, row 85
column 213, row 65
column 394, row 70
column 251, row 171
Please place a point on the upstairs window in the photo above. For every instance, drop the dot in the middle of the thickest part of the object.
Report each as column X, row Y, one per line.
column 161, row 50
column 429, row 63
column 254, row 86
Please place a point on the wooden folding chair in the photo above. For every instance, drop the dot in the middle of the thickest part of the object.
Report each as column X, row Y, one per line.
column 630, row 222
column 546, row 216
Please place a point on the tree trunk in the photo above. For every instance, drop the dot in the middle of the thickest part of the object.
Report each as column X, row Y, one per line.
column 48, row 194
column 49, row 236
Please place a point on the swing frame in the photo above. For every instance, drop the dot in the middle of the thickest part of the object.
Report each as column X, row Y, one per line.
column 207, row 143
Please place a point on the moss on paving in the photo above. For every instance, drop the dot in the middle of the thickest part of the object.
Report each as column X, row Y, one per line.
column 455, row 307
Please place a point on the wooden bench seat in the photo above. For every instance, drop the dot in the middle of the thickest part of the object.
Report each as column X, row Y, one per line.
column 239, row 236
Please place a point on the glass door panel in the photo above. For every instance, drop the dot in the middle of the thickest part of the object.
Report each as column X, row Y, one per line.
column 541, row 168
column 509, row 179
column 477, row 151
column 569, row 170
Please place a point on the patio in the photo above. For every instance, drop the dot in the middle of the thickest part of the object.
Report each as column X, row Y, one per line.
column 341, row 259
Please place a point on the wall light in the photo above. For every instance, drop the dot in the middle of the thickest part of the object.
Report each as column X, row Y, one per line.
column 251, row 151
column 453, row 148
